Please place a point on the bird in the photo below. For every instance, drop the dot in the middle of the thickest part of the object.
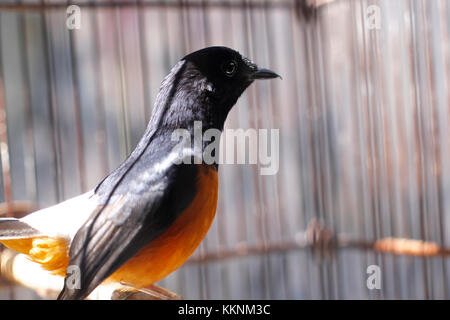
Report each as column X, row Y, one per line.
column 146, row 218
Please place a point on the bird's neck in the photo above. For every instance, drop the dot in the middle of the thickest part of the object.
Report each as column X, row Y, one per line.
column 186, row 101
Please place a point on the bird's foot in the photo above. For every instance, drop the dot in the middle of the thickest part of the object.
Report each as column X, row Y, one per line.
column 152, row 292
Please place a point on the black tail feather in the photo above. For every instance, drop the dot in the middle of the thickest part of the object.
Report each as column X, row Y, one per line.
column 12, row 228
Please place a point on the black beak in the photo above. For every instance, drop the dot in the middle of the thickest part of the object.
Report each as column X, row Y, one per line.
column 261, row 73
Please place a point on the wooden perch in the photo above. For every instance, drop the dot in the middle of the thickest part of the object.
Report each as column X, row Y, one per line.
column 318, row 3
column 407, row 247
column 19, row 269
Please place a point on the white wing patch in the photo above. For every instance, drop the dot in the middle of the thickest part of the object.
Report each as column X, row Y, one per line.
column 65, row 218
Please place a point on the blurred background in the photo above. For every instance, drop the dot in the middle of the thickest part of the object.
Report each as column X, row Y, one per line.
column 362, row 111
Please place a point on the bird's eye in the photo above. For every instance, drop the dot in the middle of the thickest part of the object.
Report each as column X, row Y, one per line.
column 229, row 68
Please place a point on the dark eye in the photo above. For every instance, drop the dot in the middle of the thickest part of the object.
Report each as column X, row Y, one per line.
column 229, row 68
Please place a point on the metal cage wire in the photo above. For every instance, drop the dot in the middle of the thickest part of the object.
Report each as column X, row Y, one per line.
column 362, row 113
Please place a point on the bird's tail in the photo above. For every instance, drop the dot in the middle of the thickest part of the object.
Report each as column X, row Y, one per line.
column 12, row 228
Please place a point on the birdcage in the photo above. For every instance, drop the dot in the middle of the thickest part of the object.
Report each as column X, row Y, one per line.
column 357, row 206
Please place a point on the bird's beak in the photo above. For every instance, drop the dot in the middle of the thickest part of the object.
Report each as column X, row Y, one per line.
column 262, row 73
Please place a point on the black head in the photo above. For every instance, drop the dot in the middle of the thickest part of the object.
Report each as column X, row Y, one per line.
column 228, row 71
column 204, row 86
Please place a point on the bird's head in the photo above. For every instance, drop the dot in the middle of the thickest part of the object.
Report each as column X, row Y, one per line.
column 205, row 85
column 228, row 72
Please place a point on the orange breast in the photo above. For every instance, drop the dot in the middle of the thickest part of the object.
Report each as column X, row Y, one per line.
column 171, row 249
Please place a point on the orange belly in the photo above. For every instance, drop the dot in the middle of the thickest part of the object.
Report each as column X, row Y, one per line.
column 171, row 249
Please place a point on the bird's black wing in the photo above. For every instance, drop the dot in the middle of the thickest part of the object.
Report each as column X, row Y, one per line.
column 143, row 207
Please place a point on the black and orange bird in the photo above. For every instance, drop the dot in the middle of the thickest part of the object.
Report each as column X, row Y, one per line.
column 147, row 217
